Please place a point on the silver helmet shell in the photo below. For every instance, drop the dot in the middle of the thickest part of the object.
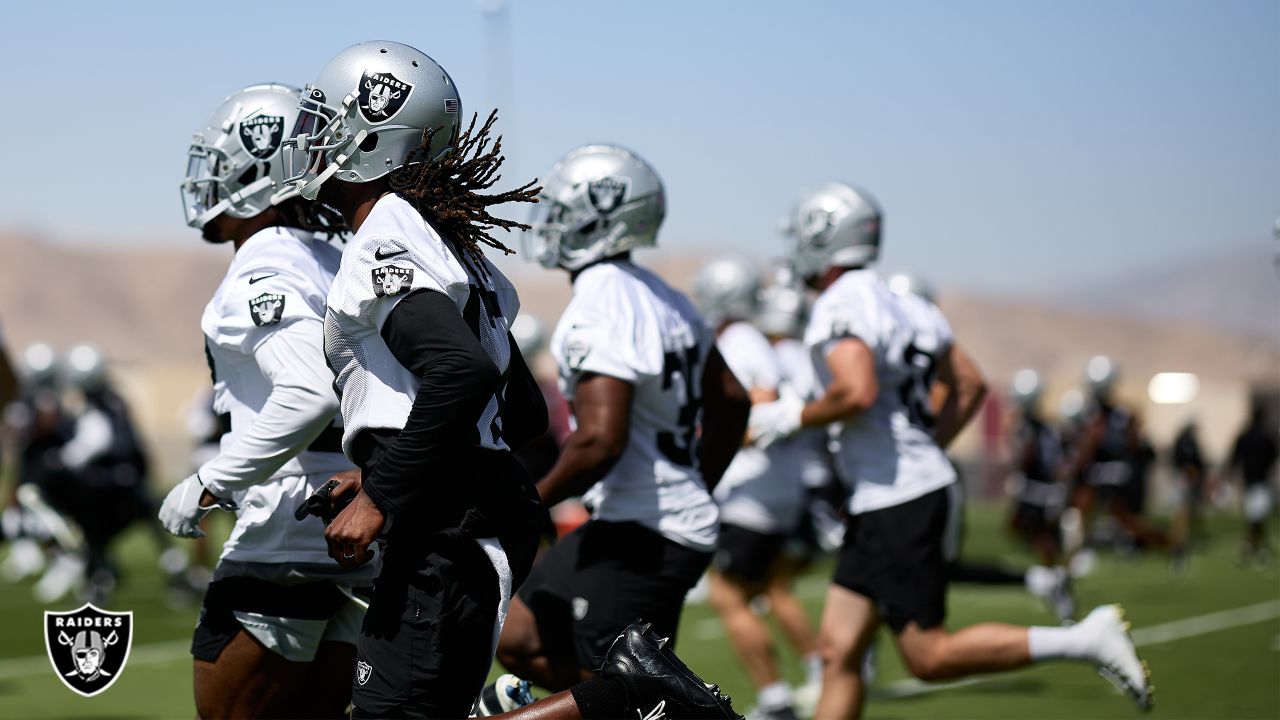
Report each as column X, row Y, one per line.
column 233, row 163
column 530, row 334
column 366, row 114
column 85, row 367
column 1026, row 388
column 727, row 288
column 835, row 225
column 596, row 202
column 784, row 310
column 1100, row 374
column 40, row 366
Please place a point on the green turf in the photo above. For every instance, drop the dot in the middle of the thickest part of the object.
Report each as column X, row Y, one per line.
column 1227, row 673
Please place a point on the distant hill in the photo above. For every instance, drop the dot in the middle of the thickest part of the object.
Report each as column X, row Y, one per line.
column 1236, row 291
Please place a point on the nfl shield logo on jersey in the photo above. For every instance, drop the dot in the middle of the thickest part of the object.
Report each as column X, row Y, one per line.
column 381, row 96
column 391, row 280
column 88, row 647
column 363, row 671
column 261, row 135
column 267, row 309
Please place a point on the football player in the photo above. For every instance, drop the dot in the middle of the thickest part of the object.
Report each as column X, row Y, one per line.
column 1254, row 456
column 762, row 495
column 876, row 369
column 435, row 395
column 639, row 366
column 1037, row 460
column 277, row 629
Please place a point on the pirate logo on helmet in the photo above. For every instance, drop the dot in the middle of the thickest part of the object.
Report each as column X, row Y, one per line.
column 817, row 224
column 260, row 135
column 381, row 96
column 88, row 647
column 606, row 194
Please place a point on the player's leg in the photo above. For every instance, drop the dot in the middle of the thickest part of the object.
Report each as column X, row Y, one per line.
column 246, row 680
column 328, row 680
column 934, row 654
column 849, row 622
column 787, row 609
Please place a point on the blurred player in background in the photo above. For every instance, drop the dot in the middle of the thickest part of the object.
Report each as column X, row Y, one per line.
column 1254, row 456
column 1185, row 526
column 1037, row 465
column 640, row 369
column 762, row 496
column 877, row 369
column 276, row 634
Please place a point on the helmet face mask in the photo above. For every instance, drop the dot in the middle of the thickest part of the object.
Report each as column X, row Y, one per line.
column 597, row 202
column 367, row 114
column 233, row 164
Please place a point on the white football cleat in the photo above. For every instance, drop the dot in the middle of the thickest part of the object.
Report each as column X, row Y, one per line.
column 1116, row 656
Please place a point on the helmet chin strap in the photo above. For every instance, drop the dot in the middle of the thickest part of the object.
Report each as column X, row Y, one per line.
column 312, row 189
column 245, row 192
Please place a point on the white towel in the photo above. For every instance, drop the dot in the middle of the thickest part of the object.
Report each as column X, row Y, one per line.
column 498, row 557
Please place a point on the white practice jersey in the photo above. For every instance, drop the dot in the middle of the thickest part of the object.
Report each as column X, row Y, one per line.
column 887, row 453
column 761, row 489
column 394, row 253
column 625, row 322
column 810, row 444
column 278, row 279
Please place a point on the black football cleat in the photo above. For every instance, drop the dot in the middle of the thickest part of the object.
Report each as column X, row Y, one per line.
column 656, row 680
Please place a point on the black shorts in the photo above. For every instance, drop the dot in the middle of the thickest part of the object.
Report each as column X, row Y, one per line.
column 218, row 625
column 602, row 577
column 1032, row 520
column 427, row 640
column 745, row 554
column 896, row 556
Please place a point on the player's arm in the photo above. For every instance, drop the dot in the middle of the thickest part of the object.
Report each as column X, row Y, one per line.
column 853, row 388
column 602, row 410
column 965, row 387
column 524, row 415
column 726, row 405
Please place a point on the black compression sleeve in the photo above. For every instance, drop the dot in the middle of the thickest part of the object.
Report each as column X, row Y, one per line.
column 428, row 335
column 524, row 415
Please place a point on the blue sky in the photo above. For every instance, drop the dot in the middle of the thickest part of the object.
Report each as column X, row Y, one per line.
column 1014, row 145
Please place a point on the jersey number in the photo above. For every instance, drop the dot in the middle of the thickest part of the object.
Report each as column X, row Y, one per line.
column 680, row 447
column 914, row 391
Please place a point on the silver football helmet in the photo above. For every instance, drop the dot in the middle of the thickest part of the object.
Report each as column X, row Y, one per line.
column 903, row 284
column 727, row 288
column 1026, row 388
column 39, row 366
column 234, row 164
column 530, row 334
column 85, row 367
column 1100, row 374
column 835, row 225
column 597, row 201
column 784, row 310
column 366, row 114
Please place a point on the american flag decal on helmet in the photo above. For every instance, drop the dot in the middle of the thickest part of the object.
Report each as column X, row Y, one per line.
column 450, row 105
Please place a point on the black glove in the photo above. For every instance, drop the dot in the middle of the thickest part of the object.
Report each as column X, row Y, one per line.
column 321, row 504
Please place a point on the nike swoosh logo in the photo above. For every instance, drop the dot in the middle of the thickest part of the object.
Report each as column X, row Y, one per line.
column 253, row 280
column 378, row 255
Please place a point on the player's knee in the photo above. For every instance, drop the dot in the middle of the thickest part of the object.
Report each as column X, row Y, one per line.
column 839, row 651
column 926, row 663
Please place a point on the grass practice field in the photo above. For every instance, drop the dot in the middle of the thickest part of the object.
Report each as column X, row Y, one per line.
column 1212, row 638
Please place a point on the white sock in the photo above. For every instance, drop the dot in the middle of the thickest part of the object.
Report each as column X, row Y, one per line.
column 775, row 695
column 1057, row 643
column 813, row 668
column 1040, row 580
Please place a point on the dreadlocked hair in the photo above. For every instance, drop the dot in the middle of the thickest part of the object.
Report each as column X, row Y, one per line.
column 313, row 217
column 447, row 191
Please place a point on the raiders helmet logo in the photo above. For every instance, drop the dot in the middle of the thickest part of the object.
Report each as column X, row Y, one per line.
column 391, row 280
column 260, row 135
column 267, row 309
column 381, row 96
column 817, row 225
column 363, row 672
column 607, row 193
column 88, row 647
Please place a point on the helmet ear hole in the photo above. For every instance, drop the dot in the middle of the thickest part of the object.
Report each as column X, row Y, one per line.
column 370, row 143
column 249, row 175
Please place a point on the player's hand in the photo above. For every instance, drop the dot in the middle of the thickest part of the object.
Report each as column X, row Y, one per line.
column 353, row 531
column 186, row 505
column 349, row 483
column 770, row 422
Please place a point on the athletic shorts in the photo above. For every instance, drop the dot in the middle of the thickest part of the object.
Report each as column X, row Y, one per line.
column 745, row 554
column 604, row 576
column 429, row 636
column 289, row 620
column 897, row 557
